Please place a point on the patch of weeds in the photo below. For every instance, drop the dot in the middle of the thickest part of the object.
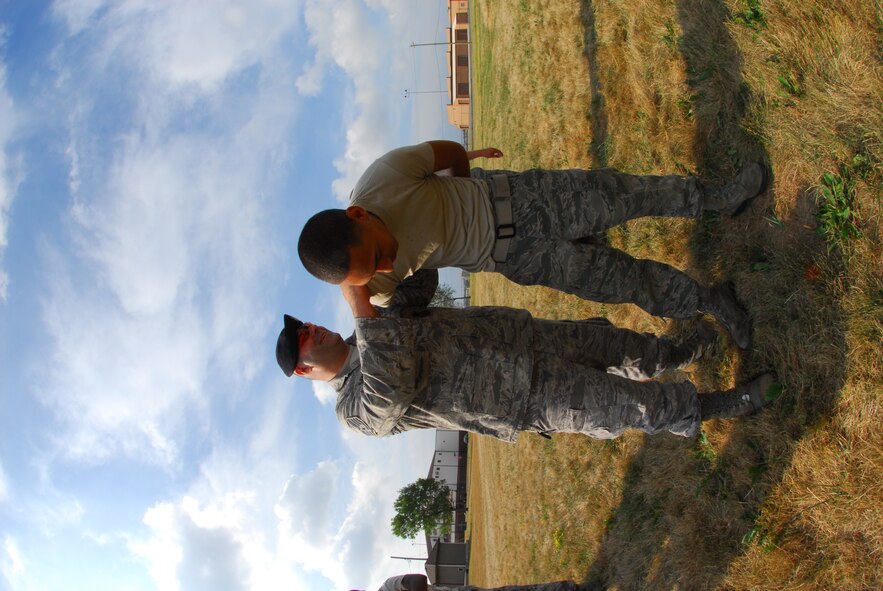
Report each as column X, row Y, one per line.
column 704, row 449
column 837, row 212
column 774, row 220
column 558, row 539
column 751, row 16
column 669, row 37
column 757, row 471
column 791, row 82
column 685, row 104
column 760, row 534
column 714, row 468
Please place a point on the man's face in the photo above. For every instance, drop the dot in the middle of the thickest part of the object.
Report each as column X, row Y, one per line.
column 320, row 350
column 377, row 251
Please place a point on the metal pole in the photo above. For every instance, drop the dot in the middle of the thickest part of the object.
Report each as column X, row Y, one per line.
column 441, row 43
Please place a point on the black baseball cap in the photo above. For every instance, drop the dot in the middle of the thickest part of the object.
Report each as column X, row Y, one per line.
column 287, row 345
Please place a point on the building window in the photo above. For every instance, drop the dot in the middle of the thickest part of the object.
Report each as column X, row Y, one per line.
column 462, row 35
column 462, row 89
column 462, row 60
column 462, row 18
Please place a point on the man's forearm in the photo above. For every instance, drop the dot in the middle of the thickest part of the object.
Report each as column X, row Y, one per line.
column 484, row 153
column 359, row 299
column 454, row 157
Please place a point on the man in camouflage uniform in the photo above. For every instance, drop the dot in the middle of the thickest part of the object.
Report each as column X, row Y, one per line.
column 417, row 582
column 538, row 227
column 498, row 371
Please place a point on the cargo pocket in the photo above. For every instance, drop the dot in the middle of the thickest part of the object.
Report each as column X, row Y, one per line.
column 484, row 386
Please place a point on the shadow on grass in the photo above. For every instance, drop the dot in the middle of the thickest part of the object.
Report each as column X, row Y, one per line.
column 598, row 110
column 690, row 508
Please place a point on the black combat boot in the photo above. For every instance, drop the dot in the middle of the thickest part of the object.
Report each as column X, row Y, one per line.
column 721, row 302
column 733, row 197
column 742, row 400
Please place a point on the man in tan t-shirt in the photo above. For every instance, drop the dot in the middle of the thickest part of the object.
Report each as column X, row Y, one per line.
column 538, row 227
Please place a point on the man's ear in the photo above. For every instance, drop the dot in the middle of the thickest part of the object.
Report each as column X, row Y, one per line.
column 354, row 212
column 303, row 370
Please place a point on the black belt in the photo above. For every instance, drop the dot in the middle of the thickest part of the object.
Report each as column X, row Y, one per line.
column 505, row 228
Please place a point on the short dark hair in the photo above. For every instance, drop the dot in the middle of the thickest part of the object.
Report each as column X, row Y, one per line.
column 325, row 242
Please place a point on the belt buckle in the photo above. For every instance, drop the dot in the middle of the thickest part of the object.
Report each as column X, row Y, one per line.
column 505, row 231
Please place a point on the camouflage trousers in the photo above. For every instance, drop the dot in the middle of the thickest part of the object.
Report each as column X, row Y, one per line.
column 557, row 586
column 597, row 343
column 572, row 393
column 557, row 213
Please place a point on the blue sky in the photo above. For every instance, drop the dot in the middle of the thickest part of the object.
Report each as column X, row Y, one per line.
column 157, row 160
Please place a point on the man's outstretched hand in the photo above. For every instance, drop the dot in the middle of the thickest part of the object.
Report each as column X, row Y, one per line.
column 485, row 153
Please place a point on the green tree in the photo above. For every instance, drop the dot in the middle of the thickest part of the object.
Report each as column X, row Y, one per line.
column 444, row 297
column 423, row 506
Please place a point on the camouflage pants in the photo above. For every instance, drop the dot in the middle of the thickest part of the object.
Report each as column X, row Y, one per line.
column 555, row 211
column 557, row 586
column 599, row 344
column 569, row 394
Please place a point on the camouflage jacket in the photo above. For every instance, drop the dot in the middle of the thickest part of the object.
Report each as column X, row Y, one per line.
column 464, row 369
column 401, row 583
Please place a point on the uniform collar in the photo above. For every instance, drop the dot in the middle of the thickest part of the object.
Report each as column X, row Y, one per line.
column 352, row 362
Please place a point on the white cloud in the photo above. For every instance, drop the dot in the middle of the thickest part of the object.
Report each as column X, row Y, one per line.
column 382, row 468
column 339, row 33
column 12, row 566
column 195, row 547
column 241, row 521
column 323, row 392
column 369, row 40
column 78, row 13
column 220, row 533
column 305, row 503
column 179, row 125
column 197, row 42
column 355, row 552
column 369, row 44
column 162, row 295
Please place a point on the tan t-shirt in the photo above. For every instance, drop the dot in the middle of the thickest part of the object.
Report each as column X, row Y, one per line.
column 439, row 221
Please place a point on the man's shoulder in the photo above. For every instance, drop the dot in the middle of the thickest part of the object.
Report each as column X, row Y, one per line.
column 350, row 401
column 401, row 165
column 350, row 407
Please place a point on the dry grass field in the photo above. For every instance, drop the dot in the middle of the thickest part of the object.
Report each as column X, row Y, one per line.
column 791, row 498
